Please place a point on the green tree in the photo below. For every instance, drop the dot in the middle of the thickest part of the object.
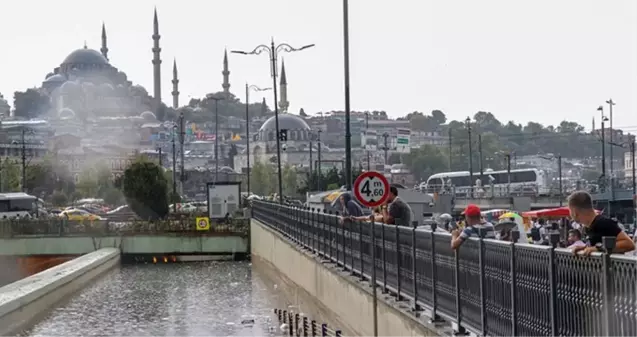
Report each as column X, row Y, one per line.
column 263, row 179
column 146, row 190
column 10, row 175
column 290, row 180
column 112, row 196
column 58, row 198
column 425, row 161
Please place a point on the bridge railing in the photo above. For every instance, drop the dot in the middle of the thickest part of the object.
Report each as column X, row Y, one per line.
column 63, row 227
column 488, row 287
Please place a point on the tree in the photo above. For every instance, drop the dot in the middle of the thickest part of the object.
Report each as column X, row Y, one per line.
column 87, row 185
column 30, row 103
column 425, row 161
column 10, row 176
column 290, row 182
column 146, row 190
column 302, row 113
column 58, row 198
column 263, row 179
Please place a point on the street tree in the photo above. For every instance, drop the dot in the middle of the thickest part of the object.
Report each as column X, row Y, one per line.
column 146, row 190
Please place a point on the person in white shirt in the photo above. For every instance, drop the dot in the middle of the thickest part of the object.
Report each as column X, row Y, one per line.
column 575, row 239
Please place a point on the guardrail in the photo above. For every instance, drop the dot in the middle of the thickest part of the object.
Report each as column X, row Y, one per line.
column 488, row 287
column 295, row 324
column 62, row 227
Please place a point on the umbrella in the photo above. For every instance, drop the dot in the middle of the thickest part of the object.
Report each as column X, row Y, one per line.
column 505, row 225
column 510, row 215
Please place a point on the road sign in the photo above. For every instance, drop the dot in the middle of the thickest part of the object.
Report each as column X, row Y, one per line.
column 402, row 141
column 203, row 224
column 371, row 189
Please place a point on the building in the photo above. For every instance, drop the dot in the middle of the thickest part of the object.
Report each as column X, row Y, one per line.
column 628, row 165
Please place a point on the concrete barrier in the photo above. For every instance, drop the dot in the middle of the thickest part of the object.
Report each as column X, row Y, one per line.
column 23, row 301
column 348, row 298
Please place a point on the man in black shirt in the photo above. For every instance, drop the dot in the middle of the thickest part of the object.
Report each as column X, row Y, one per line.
column 581, row 208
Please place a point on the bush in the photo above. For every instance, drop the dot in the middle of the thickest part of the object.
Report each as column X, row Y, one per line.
column 145, row 190
column 58, row 198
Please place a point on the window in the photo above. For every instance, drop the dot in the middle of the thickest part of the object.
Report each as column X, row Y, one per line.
column 21, row 205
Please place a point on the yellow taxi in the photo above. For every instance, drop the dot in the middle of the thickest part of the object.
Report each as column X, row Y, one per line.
column 78, row 215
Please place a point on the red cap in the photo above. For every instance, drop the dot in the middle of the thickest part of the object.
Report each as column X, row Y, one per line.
column 472, row 210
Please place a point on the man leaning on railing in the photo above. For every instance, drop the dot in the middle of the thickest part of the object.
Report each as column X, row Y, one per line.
column 474, row 222
column 580, row 204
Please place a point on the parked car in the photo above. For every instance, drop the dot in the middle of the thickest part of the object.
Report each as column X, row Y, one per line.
column 79, row 215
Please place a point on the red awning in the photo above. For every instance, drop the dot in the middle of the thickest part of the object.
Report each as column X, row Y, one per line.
column 560, row 212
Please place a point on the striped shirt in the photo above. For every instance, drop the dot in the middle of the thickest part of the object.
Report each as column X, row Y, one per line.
column 473, row 231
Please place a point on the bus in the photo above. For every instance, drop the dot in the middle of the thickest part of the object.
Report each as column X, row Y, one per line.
column 18, row 205
column 521, row 180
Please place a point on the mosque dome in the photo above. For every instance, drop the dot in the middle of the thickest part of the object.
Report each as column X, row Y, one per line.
column 226, row 169
column 69, row 87
column 149, row 116
column 85, row 56
column 66, row 113
column 48, row 75
column 57, row 79
column 286, row 121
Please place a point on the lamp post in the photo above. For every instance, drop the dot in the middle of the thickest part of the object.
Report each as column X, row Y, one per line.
column 559, row 173
column 216, row 99
column 348, row 133
column 23, row 154
column 604, row 119
column 318, row 168
column 273, row 51
column 174, row 170
column 385, row 145
column 248, row 88
column 610, row 137
column 182, row 140
column 311, row 134
column 369, row 167
column 160, row 156
column 468, row 124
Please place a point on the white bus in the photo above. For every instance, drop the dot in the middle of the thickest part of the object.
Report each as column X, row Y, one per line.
column 522, row 180
column 18, row 205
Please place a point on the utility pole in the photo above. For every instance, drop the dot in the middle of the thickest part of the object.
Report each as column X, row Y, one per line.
column 318, row 168
column 559, row 172
column 632, row 158
column 174, row 170
column 450, row 149
column 160, row 157
column 24, row 162
column 216, row 135
column 480, row 162
column 610, row 139
column 508, row 157
column 348, row 133
column 471, row 182
column 369, row 167
column 601, row 110
column 385, row 145
column 182, row 140
column 311, row 159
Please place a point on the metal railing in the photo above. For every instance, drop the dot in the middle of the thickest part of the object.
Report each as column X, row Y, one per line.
column 488, row 287
column 295, row 324
column 63, row 227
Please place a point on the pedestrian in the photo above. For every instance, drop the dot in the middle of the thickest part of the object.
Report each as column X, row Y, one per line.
column 575, row 239
column 350, row 209
column 473, row 224
column 395, row 210
column 597, row 226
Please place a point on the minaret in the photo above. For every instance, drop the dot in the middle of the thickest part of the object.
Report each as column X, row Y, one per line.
column 283, row 88
column 264, row 107
column 175, row 86
column 104, row 48
column 226, row 74
column 593, row 130
column 156, row 62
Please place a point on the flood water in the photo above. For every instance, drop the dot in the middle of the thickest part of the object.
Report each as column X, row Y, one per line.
column 183, row 299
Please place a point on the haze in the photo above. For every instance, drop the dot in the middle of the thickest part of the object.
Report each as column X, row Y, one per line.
column 537, row 60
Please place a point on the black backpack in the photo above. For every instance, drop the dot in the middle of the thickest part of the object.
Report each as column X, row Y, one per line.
column 535, row 234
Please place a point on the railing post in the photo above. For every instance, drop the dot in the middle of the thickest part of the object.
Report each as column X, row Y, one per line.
column 414, row 273
column 285, row 316
column 351, row 246
column 460, row 329
column 336, row 223
column 483, row 282
column 399, row 297
column 608, row 282
column 554, row 238
column 312, row 226
column 313, row 327
column 384, row 257
column 323, row 236
column 280, row 314
column 324, row 330
column 434, row 278
column 360, row 251
column 373, row 281
column 514, row 292
column 338, row 333
column 330, row 236
column 297, row 319
column 305, row 326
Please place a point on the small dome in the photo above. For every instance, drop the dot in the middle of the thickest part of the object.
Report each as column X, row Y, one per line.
column 57, row 78
column 226, row 169
column 69, row 87
column 286, row 121
column 85, row 56
column 48, row 75
column 66, row 113
column 147, row 115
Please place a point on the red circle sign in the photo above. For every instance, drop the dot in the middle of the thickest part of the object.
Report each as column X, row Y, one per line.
column 371, row 189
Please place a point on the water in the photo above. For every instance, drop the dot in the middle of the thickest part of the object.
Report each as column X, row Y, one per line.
column 188, row 299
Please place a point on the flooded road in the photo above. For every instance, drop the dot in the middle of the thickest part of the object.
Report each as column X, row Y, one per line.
column 183, row 299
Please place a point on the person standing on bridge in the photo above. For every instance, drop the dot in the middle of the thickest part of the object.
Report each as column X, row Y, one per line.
column 474, row 222
column 580, row 204
column 396, row 211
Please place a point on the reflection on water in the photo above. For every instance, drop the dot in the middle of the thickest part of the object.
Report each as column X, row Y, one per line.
column 189, row 299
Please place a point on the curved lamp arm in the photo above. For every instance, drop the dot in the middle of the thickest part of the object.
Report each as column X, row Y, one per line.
column 258, row 50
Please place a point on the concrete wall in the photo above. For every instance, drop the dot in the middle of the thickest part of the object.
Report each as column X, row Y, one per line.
column 139, row 244
column 348, row 298
column 23, row 301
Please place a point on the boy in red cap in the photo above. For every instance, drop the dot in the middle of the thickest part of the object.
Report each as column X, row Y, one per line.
column 474, row 222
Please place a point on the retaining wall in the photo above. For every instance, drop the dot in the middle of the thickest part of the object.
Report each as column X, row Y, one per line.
column 23, row 301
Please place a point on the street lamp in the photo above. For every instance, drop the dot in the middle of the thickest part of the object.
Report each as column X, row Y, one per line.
column 273, row 51
column 174, row 169
column 603, row 131
column 318, row 168
column 248, row 89
column 610, row 137
column 216, row 99
column 559, row 172
column 23, row 146
column 385, row 145
column 468, row 124
column 348, row 133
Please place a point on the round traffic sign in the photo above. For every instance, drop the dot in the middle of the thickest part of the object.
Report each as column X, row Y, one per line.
column 203, row 223
column 371, row 189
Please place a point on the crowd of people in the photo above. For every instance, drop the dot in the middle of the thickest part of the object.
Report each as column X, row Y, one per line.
column 583, row 232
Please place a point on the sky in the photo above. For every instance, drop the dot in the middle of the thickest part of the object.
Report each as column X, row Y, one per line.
column 523, row 60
